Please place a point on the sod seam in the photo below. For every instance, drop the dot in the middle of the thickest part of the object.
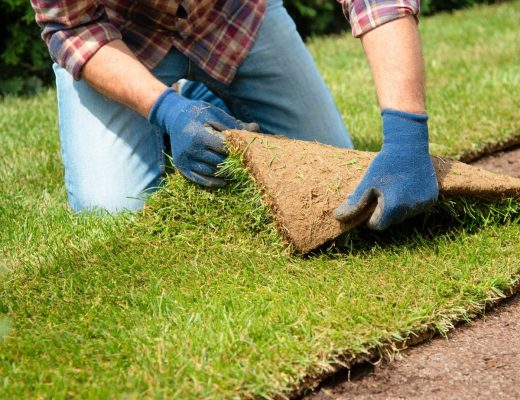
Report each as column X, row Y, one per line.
column 390, row 349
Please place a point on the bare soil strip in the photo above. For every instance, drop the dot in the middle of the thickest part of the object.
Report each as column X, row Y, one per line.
column 479, row 360
column 503, row 162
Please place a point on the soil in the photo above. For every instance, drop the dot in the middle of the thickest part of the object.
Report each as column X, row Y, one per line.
column 304, row 182
column 503, row 162
column 479, row 360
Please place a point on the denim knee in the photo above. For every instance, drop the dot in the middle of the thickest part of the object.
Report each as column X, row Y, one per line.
column 113, row 199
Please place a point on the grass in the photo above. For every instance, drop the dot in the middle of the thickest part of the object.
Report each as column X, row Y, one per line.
column 198, row 298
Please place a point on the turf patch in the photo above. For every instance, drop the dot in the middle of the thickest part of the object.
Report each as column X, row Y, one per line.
column 5, row 326
column 199, row 298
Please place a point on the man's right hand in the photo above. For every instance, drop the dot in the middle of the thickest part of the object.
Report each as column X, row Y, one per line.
column 193, row 126
column 195, row 131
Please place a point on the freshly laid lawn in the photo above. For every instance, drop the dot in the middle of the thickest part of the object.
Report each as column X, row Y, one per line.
column 197, row 297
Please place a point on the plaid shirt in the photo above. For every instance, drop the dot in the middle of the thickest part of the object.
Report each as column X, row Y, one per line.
column 215, row 34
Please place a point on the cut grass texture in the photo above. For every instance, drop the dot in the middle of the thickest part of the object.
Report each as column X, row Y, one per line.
column 198, row 298
column 4, row 327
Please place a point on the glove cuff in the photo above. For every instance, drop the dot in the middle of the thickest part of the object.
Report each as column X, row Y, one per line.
column 404, row 114
column 404, row 128
column 165, row 104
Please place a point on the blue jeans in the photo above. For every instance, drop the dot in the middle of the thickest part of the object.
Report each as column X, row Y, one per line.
column 113, row 157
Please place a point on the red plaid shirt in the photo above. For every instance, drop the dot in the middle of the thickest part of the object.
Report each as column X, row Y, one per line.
column 215, row 34
column 365, row 15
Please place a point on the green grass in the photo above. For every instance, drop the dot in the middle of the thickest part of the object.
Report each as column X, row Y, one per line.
column 197, row 297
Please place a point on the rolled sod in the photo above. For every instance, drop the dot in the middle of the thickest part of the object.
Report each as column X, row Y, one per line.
column 303, row 182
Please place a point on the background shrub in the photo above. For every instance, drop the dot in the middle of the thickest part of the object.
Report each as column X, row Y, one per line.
column 24, row 60
column 25, row 63
column 429, row 7
column 318, row 17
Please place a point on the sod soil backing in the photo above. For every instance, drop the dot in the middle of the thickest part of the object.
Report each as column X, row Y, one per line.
column 304, row 182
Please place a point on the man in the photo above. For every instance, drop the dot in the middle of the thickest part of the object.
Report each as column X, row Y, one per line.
column 115, row 62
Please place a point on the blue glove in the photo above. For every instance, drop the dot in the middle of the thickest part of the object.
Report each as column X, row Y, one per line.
column 195, row 127
column 401, row 178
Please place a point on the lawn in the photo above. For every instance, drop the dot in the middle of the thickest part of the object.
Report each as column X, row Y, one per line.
column 197, row 297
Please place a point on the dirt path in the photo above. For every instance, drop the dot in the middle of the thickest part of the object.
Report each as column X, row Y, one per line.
column 504, row 162
column 479, row 360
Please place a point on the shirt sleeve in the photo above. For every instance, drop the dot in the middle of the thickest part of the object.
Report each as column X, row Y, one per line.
column 365, row 15
column 73, row 30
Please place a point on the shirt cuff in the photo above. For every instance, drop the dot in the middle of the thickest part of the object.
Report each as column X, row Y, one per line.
column 365, row 15
column 72, row 48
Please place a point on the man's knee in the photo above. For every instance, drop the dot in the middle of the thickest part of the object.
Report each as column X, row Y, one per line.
column 112, row 200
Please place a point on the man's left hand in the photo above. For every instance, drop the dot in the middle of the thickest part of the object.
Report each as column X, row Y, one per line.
column 401, row 179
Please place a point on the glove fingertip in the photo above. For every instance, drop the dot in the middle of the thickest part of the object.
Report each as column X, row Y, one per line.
column 376, row 224
column 217, row 183
column 344, row 212
column 217, row 141
column 221, row 136
column 351, row 207
column 203, row 180
column 379, row 220
column 251, row 127
column 214, row 126
column 354, row 205
column 211, row 181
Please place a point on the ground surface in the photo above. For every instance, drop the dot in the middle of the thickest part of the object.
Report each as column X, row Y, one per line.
column 480, row 360
column 505, row 162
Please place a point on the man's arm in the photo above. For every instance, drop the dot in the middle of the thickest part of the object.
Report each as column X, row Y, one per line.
column 196, row 151
column 115, row 72
column 395, row 57
column 401, row 180
column 81, row 39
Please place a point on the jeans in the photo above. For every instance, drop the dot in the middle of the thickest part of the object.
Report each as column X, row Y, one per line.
column 114, row 158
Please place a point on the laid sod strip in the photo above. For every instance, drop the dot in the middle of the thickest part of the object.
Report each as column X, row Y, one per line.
column 4, row 327
column 199, row 298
